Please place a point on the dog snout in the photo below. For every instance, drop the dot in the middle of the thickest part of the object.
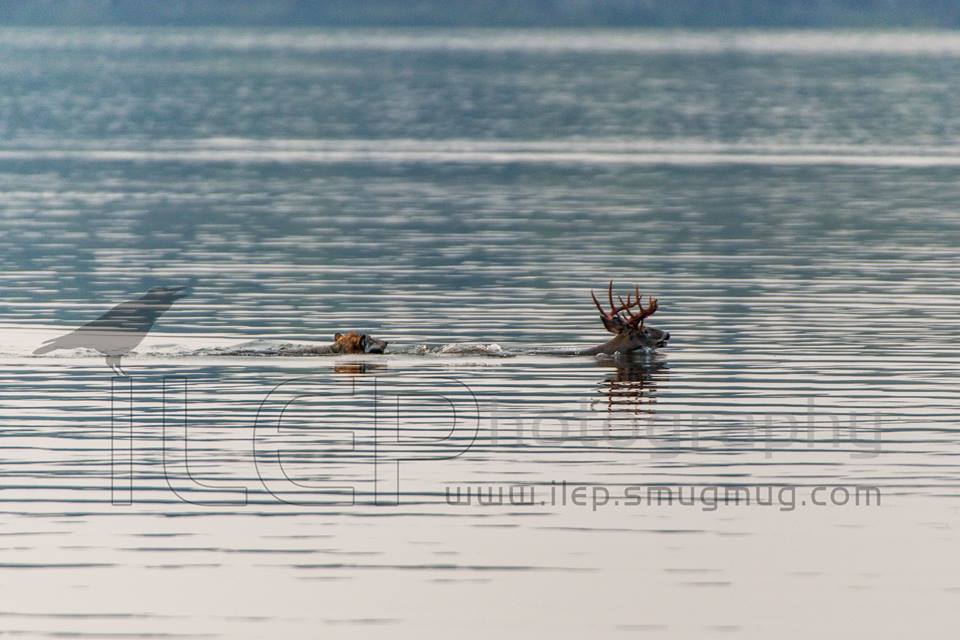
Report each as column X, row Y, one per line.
column 376, row 346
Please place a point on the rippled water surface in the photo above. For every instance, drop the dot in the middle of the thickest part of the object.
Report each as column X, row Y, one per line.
column 790, row 198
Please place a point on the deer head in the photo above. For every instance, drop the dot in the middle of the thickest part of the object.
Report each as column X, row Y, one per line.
column 630, row 332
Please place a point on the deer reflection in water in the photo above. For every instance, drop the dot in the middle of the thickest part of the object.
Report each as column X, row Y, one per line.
column 632, row 385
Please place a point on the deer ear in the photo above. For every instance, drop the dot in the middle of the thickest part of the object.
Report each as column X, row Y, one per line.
column 336, row 336
column 613, row 325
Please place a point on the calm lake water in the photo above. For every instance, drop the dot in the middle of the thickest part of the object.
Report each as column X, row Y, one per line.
column 790, row 198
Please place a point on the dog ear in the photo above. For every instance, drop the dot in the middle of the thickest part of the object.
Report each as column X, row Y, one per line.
column 336, row 336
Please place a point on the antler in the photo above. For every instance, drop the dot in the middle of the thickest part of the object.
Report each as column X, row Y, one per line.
column 614, row 309
column 613, row 316
column 645, row 312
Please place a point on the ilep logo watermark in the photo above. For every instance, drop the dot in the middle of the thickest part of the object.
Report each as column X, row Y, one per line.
column 379, row 425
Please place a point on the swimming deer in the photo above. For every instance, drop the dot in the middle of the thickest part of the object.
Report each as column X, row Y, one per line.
column 629, row 331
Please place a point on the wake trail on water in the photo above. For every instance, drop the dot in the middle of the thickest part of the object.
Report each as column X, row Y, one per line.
column 272, row 348
column 282, row 349
column 276, row 349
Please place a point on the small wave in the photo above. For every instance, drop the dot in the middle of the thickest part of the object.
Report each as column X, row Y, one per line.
column 265, row 348
column 59, row 354
column 492, row 349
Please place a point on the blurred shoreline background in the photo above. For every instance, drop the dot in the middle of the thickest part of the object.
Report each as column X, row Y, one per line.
column 938, row 14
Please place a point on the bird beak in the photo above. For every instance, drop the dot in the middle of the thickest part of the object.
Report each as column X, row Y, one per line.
column 179, row 292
